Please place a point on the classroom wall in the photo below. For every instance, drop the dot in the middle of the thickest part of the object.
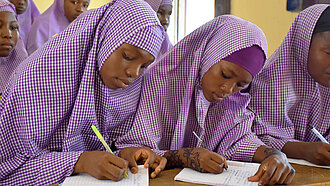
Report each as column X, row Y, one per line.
column 270, row 15
column 44, row 4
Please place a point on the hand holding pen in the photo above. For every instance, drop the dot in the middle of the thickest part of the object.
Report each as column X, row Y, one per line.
column 224, row 164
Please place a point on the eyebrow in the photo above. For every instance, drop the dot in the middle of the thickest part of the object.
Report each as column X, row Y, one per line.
column 234, row 74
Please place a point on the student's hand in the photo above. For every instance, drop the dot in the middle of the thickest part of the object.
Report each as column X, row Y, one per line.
column 101, row 165
column 315, row 152
column 275, row 169
column 143, row 155
column 199, row 159
column 318, row 153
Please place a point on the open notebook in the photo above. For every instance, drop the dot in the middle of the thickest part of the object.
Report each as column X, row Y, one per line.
column 304, row 162
column 236, row 174
column 139, row 179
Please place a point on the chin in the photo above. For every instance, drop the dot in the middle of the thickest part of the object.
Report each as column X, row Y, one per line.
column 4, row 53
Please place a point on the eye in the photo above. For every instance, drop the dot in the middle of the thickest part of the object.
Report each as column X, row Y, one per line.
column 224, row 75
column 129, row 58
column 14, row 27
column 86, row 5
column 75, row 2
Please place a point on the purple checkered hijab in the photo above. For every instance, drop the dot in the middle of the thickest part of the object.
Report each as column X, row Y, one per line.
column 26, row 19
column 284, row 95
column 172, row 104
column 154, row 4
column 166, row 2
column 17, row 55
column 45, row 26
column 57, row 94
column 166, row 45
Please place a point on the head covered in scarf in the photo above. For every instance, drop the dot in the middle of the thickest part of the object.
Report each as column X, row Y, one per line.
column 45, row 26
column 166, row 45
column 172, row 104
column 154, row 4
column 166, row 2
column 284, row 95
column 58, row 93
column 16, row 56
column 323, row 23
column 26, row 19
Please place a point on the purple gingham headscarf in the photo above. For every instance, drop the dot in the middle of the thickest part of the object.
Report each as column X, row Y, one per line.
column 16, row 56
column 154, row 4
column 284, row 95
column 57, row 94
column 26, row 19
column 172, row 104
column 166, row 2
column 45, row 26
column 166, row 45
column 7, row 6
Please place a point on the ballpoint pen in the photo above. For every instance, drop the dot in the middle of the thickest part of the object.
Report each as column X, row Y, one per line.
column 318, row 134
column 99, row 135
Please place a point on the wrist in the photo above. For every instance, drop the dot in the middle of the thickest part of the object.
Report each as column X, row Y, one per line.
column 295, row 149
column 263, row 152
column 175, row 159
column 78, row 167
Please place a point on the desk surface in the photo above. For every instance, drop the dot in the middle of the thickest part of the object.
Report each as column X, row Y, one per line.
column 305, row 175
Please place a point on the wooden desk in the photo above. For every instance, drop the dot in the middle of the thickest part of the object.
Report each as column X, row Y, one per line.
column 305, row 175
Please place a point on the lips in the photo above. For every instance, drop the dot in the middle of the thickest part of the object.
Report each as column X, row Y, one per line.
column 20, row 8
column 122, row 83
column 216, row 97
column 7, row 45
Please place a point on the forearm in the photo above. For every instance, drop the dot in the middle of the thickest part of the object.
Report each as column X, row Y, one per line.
column 46, row 169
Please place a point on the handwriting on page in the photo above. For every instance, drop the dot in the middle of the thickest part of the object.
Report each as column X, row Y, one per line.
column 236, row 174
column 139, row 179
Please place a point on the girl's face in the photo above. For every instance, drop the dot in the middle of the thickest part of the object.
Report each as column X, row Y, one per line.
column 164, row 12
column 124, row 65
column 318, row 63
column 73, row 8
column 224, row 79
column 8, row 33
column 20, row 5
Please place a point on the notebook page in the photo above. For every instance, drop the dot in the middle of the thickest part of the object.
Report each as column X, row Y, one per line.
column 304, row 162
column 236, row 174
column 139, row 179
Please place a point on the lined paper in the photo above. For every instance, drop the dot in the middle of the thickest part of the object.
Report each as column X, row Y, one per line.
column 304, row 162
column 236, row 174
column 139, row 179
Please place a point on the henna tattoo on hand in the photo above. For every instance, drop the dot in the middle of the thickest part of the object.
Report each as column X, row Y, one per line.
column 271, row 151
column 192, row 159
column 173, row 159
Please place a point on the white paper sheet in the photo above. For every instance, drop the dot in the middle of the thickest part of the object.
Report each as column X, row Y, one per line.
column 139, row 179
column 304, row 162
column 236, row 174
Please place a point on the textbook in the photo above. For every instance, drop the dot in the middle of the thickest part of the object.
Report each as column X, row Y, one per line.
column 236, row 174
column 139, row 179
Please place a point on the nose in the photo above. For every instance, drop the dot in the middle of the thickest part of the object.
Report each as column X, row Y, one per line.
column 6, row 33
column 80, row 8
column 21, row 2
column 164, row 20
column 134, row 71
column 227, row 89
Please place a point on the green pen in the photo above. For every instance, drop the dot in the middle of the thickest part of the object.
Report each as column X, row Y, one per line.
column 99, row 135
